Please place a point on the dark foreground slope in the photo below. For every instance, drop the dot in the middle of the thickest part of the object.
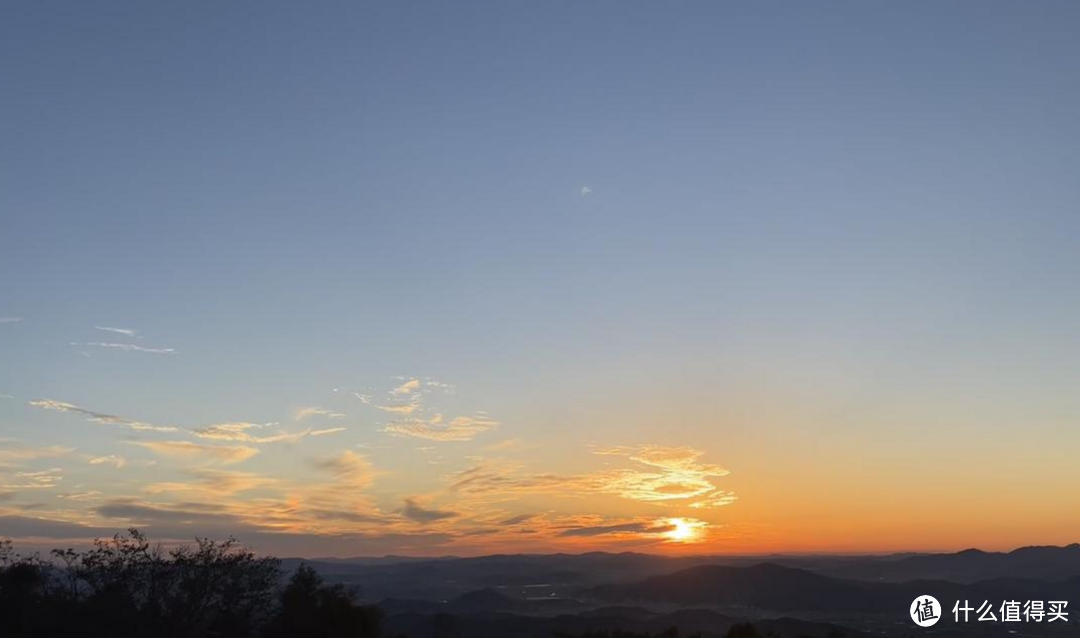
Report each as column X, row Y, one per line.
column 687, row 622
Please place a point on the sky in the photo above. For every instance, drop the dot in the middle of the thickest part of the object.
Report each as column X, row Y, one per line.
column 461, row 278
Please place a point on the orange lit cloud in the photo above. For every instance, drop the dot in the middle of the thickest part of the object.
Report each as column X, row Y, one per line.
column 189, row 450
column 462, row 428
column 242, row 432
column 669, row 474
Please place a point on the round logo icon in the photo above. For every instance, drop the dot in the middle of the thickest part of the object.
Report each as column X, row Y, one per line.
column 925, row 611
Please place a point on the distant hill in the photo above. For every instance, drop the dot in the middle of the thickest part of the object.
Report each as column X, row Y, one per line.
column 447, row 578
column 444, row 579
column 1047, row 563
column 784, row 589
column 484, row 600
column 764, row 586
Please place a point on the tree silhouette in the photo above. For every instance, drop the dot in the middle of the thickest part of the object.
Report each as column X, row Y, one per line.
column 310, row 608
column 742, row 630
column 126, row 588
column 670, row 632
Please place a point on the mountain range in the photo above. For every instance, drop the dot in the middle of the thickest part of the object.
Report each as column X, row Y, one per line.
column 790, row 596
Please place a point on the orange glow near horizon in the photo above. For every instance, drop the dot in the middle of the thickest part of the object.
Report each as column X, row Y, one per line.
column 437, row 479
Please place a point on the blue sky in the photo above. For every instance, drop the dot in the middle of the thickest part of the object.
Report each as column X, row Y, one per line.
column 822, row 222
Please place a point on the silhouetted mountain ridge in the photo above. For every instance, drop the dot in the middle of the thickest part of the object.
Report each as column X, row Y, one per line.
column 1038, row 562
column 768, row 586
column 763, row 586
column 445, row 578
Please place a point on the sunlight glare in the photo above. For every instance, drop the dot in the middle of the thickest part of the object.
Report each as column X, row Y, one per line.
column 683, row 530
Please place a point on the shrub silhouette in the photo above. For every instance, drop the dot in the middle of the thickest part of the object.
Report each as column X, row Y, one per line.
column 670, row 632
column 124, row 587
column 742, row 630
column 310, row 608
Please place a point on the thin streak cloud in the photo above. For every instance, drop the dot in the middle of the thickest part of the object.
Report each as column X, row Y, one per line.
column 41, row 479
column 126, row 347
column 304, row 413
column 189, row 450
column 128, row 332
column 239, row 431
column 242, row 432
column 327, row 431
column 622, row 528
column 101, row 417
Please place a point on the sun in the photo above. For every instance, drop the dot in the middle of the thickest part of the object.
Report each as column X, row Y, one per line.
column 683, row 530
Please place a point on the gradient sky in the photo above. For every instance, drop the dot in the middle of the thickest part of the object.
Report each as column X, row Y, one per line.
column 447, row 277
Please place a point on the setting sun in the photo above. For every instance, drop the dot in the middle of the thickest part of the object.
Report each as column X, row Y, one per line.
column 684, row 530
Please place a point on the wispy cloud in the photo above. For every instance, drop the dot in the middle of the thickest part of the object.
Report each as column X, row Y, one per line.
column 326, row 431
column 517, row 520
column 407, row 396
column 407, row 401
column 508, row 445
column 88, row 495
column 243, row 433
column 621, row 528
column 351, row 471
column 409, row 387
column 184, row 520
column 127, row 347
column 664, row 530
column 101, row 417
column 211, row 482
column 114, row 460
column 662, row 474
column 239, row 431
column 128, row 332
column 10, row 319
column 304, row 413
column 392, row 408
column 414, row 512
column 676, row 473
column 502, row 478
column 462, row 428
column 720, row 498
column 338, row 500
column 189, row 450
column 11, row 451
column 42, row 479
column 203, row 518
column 348, row 516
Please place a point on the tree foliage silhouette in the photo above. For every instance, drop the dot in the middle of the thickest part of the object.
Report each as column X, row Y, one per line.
column 671, row 632
column 310, row 608
column 126, row 588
